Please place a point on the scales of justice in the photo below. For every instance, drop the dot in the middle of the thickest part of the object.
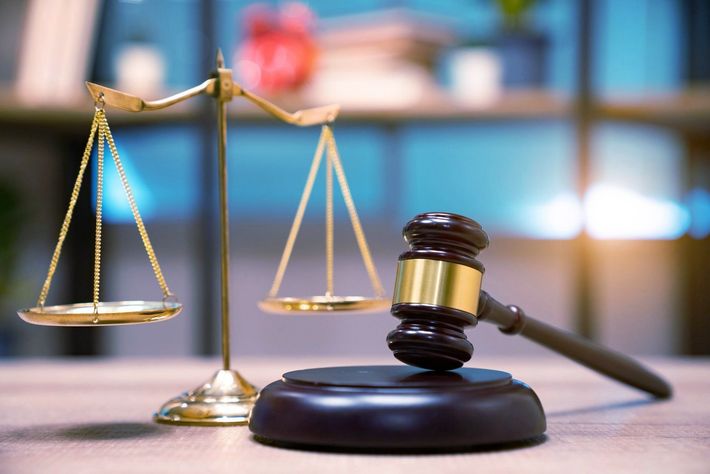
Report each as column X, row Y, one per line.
column 226, row 398
column 430, row 403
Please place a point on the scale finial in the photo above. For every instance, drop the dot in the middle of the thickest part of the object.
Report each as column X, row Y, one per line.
column 220, row 58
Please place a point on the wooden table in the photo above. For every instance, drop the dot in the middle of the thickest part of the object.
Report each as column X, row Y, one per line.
column 93, row 416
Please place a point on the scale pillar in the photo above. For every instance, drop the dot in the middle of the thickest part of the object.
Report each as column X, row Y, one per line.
column 226, row 398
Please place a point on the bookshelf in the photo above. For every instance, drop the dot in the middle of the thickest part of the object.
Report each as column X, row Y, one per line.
column 513, row 106
column 687, row 110
column 686, row 113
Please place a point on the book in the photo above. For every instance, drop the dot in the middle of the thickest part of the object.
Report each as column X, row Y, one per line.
column 384, row 59
column 55, row 51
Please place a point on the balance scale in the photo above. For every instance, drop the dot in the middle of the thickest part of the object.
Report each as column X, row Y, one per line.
column 226, row 398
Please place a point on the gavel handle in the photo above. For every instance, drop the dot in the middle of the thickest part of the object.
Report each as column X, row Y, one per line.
column 512, row 320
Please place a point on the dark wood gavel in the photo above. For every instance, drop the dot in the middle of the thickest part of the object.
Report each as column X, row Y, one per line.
column 438, row 294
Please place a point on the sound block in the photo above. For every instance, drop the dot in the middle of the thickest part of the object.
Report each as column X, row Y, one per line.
column 396, row 408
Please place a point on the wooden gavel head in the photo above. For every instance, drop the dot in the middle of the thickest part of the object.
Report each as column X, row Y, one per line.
column 436, row 290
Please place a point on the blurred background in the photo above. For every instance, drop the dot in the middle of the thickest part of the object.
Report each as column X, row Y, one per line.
column 575, row 132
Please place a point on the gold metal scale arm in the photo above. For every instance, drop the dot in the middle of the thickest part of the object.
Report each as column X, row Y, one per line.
column 326, row 144
column 132, row 103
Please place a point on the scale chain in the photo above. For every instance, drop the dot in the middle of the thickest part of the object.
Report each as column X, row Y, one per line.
column 68, row 216
column 99, row 216
column 333, row 163
column 134, row 209
column 100, row 123
column 296, row 226
column 329, row 225
column 354, row 218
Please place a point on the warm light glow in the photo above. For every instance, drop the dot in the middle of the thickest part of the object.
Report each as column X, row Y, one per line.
column 558, row 218
column 612, row 212
column 616, row 213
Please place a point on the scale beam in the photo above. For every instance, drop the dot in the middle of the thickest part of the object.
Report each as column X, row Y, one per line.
column 131, row 103
column 300, row 118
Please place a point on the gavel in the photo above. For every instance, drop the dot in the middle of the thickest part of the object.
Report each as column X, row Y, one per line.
column 438, row 294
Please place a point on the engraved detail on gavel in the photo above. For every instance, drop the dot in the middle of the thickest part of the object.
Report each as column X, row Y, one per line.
column 438, row 294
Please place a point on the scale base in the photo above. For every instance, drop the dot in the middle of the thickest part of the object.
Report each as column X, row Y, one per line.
column 396, row 408
column 226, row 399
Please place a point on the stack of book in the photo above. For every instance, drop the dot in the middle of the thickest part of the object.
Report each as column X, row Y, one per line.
column 382, row 60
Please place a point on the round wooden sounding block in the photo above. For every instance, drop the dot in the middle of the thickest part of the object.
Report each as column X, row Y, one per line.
column 396, row 408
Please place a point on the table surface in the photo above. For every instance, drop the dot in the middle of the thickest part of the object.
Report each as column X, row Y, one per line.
column 90, row 416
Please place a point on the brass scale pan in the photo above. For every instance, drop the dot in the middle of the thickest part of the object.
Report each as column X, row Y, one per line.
column 109, row 313
column 97, row 312
column 314, row 304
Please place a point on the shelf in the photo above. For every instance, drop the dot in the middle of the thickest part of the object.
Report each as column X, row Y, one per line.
column 514, row 106
column 518, row 105
column 688, row 110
